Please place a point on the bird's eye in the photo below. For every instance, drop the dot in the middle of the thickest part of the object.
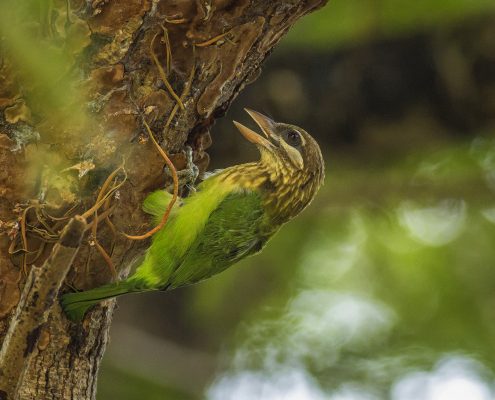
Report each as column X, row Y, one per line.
column 293, row 138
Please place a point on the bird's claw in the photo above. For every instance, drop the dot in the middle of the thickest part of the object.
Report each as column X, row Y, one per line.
column 187, row 176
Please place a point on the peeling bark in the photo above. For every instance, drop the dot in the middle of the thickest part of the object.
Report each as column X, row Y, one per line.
column 54, row 160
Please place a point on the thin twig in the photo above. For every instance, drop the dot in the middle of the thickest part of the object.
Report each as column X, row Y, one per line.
column 65, row 217
column 102, row 198
column 175, row 178
column 176, row 21
column 211, row 41
column 163, row 75
column 99, row 247
column 94, row 225
column 168, row 50
column 42, row 221
column 107, row 258
column 24, row 239
column 110, row 224
column 185, row 92
column 101, row 217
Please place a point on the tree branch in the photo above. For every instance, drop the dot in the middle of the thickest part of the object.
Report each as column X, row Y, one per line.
column 37, row 299
column 77, row 77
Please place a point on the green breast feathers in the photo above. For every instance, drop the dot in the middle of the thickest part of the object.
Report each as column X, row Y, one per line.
column 208, row 232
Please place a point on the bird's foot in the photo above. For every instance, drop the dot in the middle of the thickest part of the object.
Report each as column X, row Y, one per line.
column 187, row 176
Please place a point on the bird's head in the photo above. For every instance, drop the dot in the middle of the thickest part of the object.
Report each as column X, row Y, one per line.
column 289, row 151
column 284, row 144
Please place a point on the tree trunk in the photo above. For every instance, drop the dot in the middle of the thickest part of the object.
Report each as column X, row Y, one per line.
column 77, row 82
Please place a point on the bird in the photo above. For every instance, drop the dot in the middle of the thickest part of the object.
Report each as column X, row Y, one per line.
column 231, row 215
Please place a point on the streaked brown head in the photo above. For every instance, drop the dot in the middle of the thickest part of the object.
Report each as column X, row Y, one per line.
column 291, row 158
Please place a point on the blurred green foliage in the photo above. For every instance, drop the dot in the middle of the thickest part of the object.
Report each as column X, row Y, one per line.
column 43, row 45
column 118, row 383
column 348, row 22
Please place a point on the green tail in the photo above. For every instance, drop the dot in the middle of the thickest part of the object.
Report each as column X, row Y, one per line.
column 75, row 305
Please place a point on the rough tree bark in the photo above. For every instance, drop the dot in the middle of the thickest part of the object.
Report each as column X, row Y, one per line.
column 129, row 60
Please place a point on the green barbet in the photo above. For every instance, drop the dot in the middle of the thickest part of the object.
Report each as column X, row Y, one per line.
column 232, row 215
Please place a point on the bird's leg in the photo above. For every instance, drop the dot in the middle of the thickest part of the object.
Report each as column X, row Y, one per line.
column 187, row 176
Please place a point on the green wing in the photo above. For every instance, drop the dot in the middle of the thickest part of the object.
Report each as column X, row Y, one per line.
column 237, row 228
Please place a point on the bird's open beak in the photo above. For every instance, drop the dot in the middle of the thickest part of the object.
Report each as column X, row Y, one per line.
column 266, row 124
